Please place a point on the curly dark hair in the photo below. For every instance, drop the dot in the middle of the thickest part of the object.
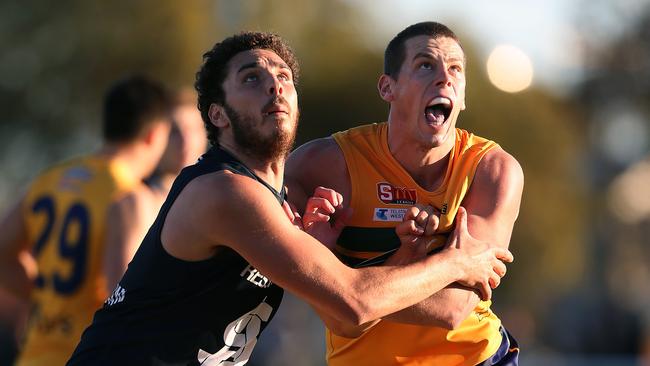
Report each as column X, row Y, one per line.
column 209, row 79
column 396, row 52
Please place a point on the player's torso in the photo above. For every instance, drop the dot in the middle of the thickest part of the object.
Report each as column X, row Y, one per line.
column 380, row 193
column 65, row 211
column 175, row 312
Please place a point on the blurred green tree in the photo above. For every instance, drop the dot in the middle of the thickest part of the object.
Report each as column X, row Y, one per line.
column 59, row 57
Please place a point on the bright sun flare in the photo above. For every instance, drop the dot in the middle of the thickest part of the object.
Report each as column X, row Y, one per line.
column 509, row 69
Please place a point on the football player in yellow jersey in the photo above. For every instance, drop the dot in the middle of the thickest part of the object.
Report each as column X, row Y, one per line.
column 206, row 279
column 418, row 156
column 136, row 211
column 53, row 242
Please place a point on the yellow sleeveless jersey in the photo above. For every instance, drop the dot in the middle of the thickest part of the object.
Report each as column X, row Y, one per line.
column 381, row 191
column 65, row 212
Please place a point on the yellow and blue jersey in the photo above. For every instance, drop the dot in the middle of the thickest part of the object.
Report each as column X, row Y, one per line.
column 381, row 192
column 65, row 211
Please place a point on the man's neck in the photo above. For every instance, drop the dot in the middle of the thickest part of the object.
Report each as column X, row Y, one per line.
column 271, row 171
column 426, row 165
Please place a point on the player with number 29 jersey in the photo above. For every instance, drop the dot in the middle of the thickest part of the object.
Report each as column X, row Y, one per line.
column 65, row 211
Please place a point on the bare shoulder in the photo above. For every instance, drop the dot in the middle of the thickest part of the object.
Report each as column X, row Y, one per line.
column 494, row 197
column 320, row 151
column 208, row 195
column 211, row 211
column 318, row 163
column 221, row 189
column 500, row 168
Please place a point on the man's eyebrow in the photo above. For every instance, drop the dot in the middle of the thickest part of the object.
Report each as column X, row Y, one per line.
column 281, row 65
column 455, row 58
column 422, row 54
column 256, row 64
column 250, row 65
column 451, row 58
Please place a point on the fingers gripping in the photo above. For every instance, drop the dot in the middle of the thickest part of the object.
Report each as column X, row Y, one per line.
column 335, row 198
column 409, row 226
column 321, row 206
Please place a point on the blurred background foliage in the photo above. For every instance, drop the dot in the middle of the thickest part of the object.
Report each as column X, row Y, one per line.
column 578, row 287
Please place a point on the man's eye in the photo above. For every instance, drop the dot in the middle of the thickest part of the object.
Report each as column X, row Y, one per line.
column 250, row 78
column 284, row 77
column 456, row 68
column 426, row 66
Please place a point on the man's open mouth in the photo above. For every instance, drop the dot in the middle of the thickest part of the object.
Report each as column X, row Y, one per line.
column 438, row 110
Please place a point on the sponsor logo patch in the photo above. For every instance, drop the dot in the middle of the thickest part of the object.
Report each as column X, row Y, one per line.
column 254, row 276
column 389, row 214
column 388, row 193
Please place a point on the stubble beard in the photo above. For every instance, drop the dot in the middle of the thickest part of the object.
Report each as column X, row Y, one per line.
column 274, row 146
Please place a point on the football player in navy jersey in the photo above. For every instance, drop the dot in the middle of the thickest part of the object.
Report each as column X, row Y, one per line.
column 210, row 273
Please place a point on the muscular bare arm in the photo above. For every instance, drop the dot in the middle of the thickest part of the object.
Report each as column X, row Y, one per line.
column 17, row 266
column 493, row 205
column 243, row 215
column 498, row 176
column 317, row 163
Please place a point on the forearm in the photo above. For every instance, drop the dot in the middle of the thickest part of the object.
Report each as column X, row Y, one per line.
column 446, row 308
column 404, row 286
column 342, row 328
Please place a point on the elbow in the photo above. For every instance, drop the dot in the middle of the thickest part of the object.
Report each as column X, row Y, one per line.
column 353, row 313
column 352, row 310
column 452, row 323
column 344, row 330
column 355, row 306
column 351, row 321
column 453, row 319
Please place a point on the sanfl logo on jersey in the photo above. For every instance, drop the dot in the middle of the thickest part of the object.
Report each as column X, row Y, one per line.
column 389, row 194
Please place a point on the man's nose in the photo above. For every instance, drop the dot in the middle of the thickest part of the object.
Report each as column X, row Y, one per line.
column 444, row 79
column 275, row 87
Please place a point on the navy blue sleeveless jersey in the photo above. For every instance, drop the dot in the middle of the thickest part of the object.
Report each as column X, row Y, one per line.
column 166, row 311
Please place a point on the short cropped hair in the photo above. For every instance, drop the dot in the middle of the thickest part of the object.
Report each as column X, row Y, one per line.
column 131, row 107
column 396, row 50
column 213, row 72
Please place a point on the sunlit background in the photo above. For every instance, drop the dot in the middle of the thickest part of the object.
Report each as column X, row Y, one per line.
column 564, row 86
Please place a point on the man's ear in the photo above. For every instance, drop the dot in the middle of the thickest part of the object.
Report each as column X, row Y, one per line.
column 156, row 130
column 385, row 88
column 218, row 116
